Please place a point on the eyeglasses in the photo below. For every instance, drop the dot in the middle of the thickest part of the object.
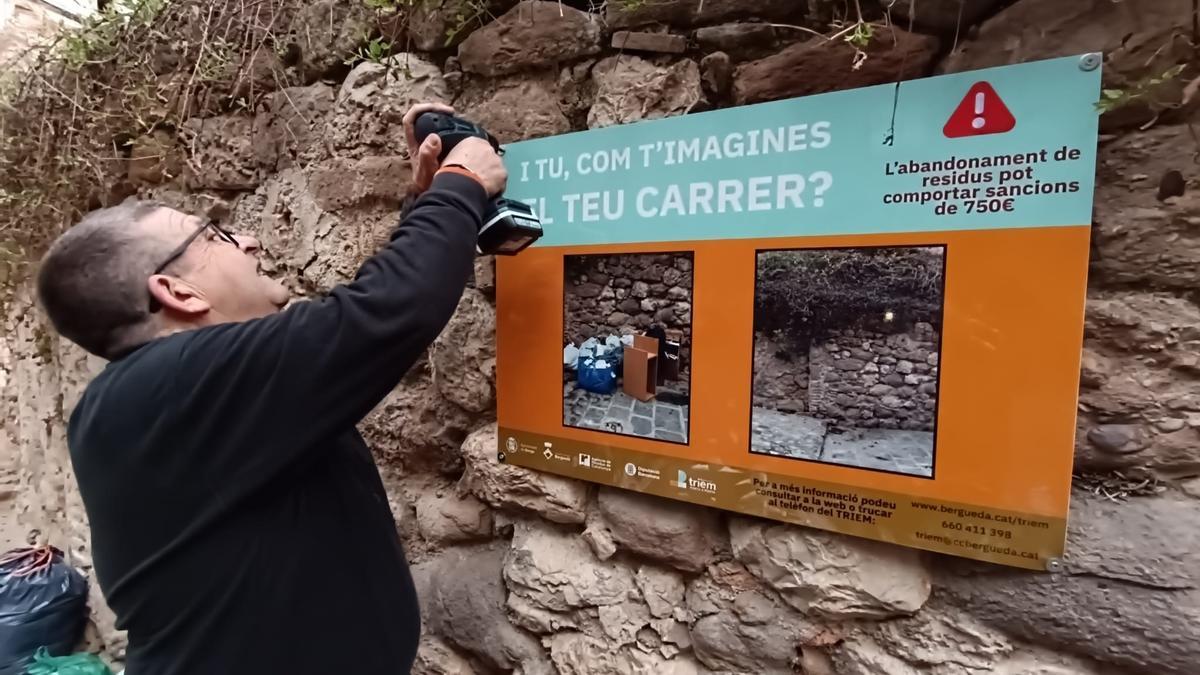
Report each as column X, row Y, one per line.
column 220, row 233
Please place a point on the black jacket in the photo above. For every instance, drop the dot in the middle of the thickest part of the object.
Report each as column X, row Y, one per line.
column 239, row 524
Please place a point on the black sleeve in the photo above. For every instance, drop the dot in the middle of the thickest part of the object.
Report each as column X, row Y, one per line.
column 277, row 386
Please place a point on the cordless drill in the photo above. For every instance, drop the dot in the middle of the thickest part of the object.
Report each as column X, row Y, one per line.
column 509, row 226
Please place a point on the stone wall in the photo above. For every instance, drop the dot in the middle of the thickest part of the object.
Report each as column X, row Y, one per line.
column 863, row 378
column 532, row 573
column 780, row 375
column 629, row 293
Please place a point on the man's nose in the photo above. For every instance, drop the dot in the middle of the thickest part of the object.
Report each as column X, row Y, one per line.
column 248, row 243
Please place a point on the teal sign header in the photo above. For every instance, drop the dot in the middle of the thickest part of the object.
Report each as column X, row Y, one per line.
column 1005, row 147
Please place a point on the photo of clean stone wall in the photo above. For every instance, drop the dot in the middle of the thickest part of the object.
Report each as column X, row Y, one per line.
column 610, row 298
column 847, row 349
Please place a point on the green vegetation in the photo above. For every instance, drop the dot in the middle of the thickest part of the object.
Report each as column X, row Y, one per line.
column 73, row 108
column 1143, row 90
column 808, row 293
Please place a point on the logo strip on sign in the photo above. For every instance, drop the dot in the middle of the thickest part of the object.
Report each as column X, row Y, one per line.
column 1005, row 537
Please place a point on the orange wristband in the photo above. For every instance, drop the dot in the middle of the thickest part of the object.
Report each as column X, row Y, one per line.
column 462, row 171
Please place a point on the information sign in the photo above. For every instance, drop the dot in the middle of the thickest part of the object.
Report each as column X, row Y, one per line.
column 860, row 311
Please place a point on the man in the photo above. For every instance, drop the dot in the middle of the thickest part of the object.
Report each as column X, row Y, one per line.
column 239, row 524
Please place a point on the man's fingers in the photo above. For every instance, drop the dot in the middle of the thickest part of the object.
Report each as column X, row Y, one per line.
column 411, row 116
column 431, row 147
column 427, row 161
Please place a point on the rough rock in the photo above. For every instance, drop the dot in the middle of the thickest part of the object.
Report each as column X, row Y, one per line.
column 435, row 657
column 945, row 639
column 662, row 589
column 1129, row 592
column 630, row 88
column 438, row 24
column 341, row 183
column 577, row 91
column 155, row 158
column 692, row 13
column 534, row 33
column 515, row 108
column 1156, row 325
column 466, row 607
column 739, row 625
column 1191, row 487
column 555, row 571
column 958, row 646
column 746, row 41
column 1140, row 384
column 835, row 576
column 505, row 486
column 1118, row 439
column 225, row 156
column 1138, row 239
column 416, row 429
column 464, row 354
column 664, row 43
column 326, row 32
column 485, row 275
column 369, row 112
column 681, row 535
column 716, row 73
column 450, row 518
column 1138, row 40
column 817, row 67
column 598, row 537
column 1032, row 660
column 814, row 661
column 292, row 130
column 580, row 654
column 623, row 623
column 538, row 620
column 943, row 16
column 862, row 655
column 319, row 247
column 261, row 72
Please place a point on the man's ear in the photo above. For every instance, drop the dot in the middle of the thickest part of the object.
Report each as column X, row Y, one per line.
column 178, row 296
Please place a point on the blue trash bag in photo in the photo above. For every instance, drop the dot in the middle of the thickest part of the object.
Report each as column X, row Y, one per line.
column 597, row 376
column 43, row 606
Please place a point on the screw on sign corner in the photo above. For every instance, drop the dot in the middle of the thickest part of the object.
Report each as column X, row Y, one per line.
column 981, row 112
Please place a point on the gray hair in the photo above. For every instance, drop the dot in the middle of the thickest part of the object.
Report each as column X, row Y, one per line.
column 92, row 280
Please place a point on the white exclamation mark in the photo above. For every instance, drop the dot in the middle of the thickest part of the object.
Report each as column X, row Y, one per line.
column 978, row 122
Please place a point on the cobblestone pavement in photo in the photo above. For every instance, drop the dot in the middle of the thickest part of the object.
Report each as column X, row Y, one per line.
column 621, row 413
column 802, row 437
column 777, row 433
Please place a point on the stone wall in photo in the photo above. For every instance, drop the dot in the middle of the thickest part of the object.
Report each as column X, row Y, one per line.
column 863, row 378
column 628, row 293
column 780, row 375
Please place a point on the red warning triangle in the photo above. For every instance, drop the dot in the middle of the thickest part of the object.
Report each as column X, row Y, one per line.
column 981, row 112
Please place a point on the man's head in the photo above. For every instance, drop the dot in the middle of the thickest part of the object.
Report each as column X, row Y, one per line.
column 129, row 273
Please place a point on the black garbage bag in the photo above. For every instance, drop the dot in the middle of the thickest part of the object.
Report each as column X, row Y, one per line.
column 43, row 604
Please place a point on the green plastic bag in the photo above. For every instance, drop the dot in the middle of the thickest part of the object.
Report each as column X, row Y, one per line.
column 74, row 664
